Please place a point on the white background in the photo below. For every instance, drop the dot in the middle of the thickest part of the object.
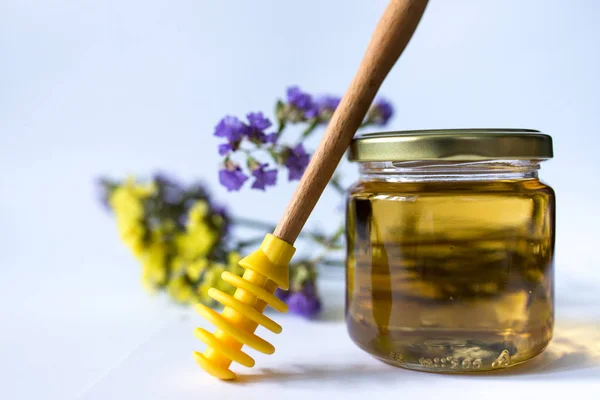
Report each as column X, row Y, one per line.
column 117, row 87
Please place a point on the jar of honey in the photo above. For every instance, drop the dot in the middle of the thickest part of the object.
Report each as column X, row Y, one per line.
column 450, row 248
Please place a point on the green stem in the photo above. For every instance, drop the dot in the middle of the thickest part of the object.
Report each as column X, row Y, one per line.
column 338, row 234
column 328, row 246
column 320, row 257
column 265, row 226
column 332, row 263
column 251, row 223
column 309, row 129
column 250, row 242
column 335, row 183
column 280, row 128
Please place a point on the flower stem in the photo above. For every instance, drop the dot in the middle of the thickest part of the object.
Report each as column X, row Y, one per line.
column 332, row 263
column 309, row 129
column 251, row 223
column 265, row 226
column 337, row 235
column 249, row 242
column 335, row 183
column 280, row 128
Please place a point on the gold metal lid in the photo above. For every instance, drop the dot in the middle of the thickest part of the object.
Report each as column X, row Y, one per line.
column 452, row 144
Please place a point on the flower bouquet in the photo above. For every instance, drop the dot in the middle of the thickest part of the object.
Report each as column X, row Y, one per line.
column 183, row 238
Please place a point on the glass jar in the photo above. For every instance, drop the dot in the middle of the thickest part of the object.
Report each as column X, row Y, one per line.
column 450, row 249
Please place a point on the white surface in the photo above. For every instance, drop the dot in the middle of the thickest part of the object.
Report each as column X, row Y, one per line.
column 117, row 87
column 317, row 359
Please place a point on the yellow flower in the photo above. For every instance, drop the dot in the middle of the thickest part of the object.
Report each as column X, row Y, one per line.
column 220, row 283
column 198, row 212
column 126, row 200
column 143, row 191
column 233, row 260
column 196, row 268
column 212, row 278
column 154, row 266
column 149, row 286
column 193, row 245
column 178, row 264
column 181, row 290
column 217, row 220
column 127, row 203
column 165, row 228
column 199, row 237
column 132, row 232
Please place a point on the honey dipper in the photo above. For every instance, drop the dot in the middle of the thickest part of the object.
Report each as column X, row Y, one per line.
column 267, row 267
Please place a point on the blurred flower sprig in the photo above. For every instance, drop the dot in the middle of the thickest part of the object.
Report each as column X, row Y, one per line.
column 178, row 234
column 183, row 238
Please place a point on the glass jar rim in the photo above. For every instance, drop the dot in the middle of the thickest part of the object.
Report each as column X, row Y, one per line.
column 451, row 144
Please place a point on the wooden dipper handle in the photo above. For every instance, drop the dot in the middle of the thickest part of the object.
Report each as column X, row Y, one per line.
column 392, row 34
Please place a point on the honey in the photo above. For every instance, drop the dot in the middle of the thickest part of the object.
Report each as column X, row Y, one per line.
column 450, row 264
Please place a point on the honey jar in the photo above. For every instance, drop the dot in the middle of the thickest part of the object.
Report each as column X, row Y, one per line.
column 450, row 248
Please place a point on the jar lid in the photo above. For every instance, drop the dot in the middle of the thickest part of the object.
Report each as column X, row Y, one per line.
column 452, row 144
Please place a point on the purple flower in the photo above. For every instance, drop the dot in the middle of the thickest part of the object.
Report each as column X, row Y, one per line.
column 165, row 179
column 282, row 294
column 225, row 148
column 258, row 121
column 296, row 162
column 171, row 190
column 272, row 138
column 231, row 128
column 302, row 101
column 232, row 179
column 299, row 98
column 182, row 220
column 309, row 288
column 327, row 104
column 306, row 302
column 263, row 177
column 102, row 187
column 381, row 112
column 311, row 112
